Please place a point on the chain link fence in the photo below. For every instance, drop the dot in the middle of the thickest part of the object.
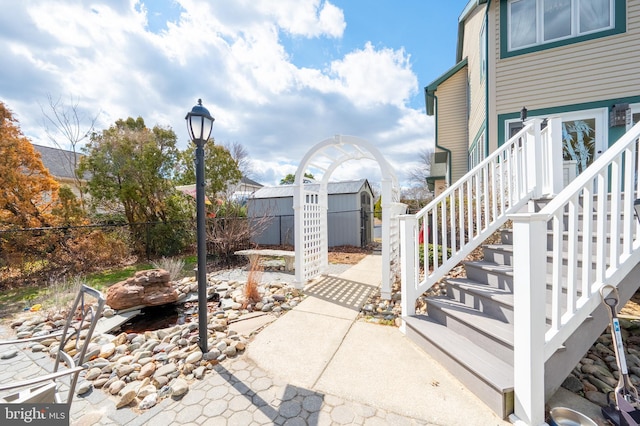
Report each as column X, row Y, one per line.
column 36, row 254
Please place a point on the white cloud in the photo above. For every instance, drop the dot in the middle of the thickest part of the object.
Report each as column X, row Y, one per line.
column 106, row 56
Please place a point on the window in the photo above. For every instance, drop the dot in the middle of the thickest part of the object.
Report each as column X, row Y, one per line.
column 536, row 22
column 476, row 152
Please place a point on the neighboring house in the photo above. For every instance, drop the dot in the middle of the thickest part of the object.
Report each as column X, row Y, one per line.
column 349, row 214
column 243, row 189
column 237, row 192
column 576, row 60
column 61, row 165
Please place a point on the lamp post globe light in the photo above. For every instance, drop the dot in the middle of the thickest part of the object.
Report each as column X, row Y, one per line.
column 199, row 124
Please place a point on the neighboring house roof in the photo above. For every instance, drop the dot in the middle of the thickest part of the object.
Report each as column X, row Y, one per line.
column 250, row 182
column 60, row 162
column 282, row 191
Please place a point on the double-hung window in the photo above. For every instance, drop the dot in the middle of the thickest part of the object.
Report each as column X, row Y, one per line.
column 536, row 22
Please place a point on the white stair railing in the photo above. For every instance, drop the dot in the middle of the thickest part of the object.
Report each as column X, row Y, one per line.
column 595, row 241
column 465, row 214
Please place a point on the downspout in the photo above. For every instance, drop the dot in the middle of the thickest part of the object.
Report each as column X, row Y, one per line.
column 486, row 80
column 435, row 102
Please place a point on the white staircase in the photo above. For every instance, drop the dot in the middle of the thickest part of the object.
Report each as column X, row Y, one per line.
column 515, row 327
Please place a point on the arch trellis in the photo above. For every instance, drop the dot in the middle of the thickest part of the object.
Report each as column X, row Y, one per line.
column 310, row 204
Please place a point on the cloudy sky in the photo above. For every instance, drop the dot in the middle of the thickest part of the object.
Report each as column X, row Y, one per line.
column 279, row 76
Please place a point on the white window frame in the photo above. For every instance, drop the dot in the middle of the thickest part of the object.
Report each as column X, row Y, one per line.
column 476, row 154
column 575, row 24
column 483, row 51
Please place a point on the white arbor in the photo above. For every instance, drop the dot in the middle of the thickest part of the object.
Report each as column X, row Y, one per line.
column 310, row 209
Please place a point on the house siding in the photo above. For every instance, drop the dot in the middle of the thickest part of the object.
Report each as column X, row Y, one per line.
column 588, row 71
column 452, row 121
column 471, row 51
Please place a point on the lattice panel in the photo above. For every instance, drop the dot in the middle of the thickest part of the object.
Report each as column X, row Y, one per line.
column 313, row 235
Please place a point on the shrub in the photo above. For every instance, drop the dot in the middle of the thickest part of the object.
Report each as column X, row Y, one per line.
column 430, row 254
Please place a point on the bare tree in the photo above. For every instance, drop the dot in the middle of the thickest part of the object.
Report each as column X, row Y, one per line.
column 65, row 121
column 419, row 174
column 241, row 155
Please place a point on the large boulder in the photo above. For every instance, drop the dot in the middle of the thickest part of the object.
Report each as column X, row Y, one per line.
column 146, row 288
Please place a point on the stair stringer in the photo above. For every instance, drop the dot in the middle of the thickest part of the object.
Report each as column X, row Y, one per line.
column 562, row 362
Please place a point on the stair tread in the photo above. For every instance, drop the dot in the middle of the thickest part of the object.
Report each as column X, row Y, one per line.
column 484, row 364
column 498, row 294
column 500, row 247
column 491, row 266
column 476, row 319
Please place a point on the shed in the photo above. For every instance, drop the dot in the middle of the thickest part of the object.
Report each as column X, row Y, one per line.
column 349, row 215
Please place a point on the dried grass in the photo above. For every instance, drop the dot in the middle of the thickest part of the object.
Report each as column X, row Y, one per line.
column 172, row 265
column 253, row 280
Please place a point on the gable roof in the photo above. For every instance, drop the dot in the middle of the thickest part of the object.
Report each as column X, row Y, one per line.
column 251, row 182
column 60, row 162
column 283, row 191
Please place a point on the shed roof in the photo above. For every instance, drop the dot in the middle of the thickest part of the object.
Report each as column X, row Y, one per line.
column 282, row 191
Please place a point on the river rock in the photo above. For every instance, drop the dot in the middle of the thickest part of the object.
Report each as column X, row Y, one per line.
column 194, row 357
column 126, row 399
column 147, row 288
column 165, row 370
column 93, row 373
column 199, row 372
column 107, row 350
column 116, row 387
column 179, row 387
column 8, row 354
column 146, row 390
column 149, row 401
column 83, row 387
column 147, row 370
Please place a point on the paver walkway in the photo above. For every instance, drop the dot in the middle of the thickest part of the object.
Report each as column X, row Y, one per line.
column 316, row 365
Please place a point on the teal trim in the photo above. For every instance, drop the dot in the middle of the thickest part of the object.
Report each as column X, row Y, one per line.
column 474, row 144
column 486, row 80
column 613, row 131
column 483, row 129
column 620, row 17
column 448, row 151
column 433, row 86
column 470, row 7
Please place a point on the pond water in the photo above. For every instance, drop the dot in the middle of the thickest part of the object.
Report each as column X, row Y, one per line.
column 159, row 317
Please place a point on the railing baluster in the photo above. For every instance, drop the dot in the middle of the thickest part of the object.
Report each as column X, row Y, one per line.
column 628, row 219
column 572, row 264
column 601, row 235
column 556, row 271
column 587, row 238
column 443, row 219
column 614, row 218
column 454, row 225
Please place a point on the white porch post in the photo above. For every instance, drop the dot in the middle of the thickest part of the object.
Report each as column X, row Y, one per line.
column 387, row 202
column 554, row 163
column 529, row 272
column 409, row 281
column 536, row 167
